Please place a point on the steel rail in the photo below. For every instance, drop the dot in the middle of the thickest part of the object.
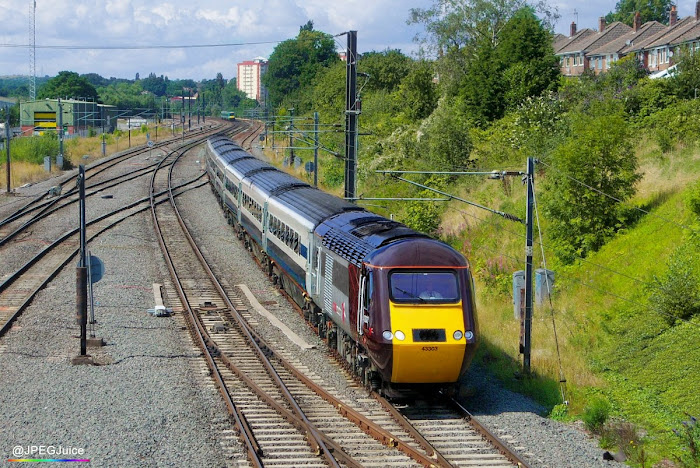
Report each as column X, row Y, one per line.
column 502, row 447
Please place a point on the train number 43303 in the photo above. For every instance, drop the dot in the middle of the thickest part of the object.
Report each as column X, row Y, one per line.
column 429, row 348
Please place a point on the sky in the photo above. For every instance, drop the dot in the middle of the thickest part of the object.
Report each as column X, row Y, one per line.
column 255, row 26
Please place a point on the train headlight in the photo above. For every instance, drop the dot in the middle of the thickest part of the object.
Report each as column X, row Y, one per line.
column 457, row 335
column 399, row 335
column 387, row 335
column 469, row 335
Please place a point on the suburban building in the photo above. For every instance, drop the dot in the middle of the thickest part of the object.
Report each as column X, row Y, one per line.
column 249, row 74
column 652, row 43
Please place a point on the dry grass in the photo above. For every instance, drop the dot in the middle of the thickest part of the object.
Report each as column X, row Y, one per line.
column 78, row 151
column 23, row 172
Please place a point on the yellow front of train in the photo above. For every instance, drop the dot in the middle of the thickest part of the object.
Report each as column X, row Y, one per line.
column 430, row 331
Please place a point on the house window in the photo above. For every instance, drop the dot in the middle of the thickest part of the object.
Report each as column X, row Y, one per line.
column 567, row 60
column 599, row 63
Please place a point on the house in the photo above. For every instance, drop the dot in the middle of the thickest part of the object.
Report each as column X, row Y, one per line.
column 653, row 43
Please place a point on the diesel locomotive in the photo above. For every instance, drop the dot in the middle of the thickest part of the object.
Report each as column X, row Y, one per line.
column 395, row 303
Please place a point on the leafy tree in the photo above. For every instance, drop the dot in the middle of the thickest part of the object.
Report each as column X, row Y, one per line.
column 591, row 173
column 386, row 69
column 448, row 141
column 520, row 64
column 294, row 64
column 686, row 81
column 154, row 84
column 455, row 24
column 525, row 51
column 417, row 94
column 649, row 10
column 67, row 84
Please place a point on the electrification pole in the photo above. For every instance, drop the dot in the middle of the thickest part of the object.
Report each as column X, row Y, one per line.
column 528, row 263
column 315, row 149
column 60, row 129
column 7, row 144
column 351, row 115
column 291, row 143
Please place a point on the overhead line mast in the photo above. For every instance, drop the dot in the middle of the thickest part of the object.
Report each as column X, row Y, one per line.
column 32, row 50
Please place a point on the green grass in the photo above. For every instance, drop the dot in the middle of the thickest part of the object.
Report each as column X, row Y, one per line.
column 612, row 343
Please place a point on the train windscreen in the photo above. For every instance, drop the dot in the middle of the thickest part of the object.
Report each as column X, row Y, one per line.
column 423, row 286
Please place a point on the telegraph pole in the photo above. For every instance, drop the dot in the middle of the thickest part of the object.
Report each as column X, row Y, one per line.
column 351, row 112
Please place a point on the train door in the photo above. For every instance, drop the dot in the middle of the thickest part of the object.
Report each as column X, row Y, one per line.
column 363, row 301
column 314, row 262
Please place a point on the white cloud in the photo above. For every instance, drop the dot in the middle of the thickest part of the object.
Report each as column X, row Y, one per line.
column 261, row 24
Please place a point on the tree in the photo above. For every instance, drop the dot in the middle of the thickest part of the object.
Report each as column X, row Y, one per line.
column 455, row 24
column 67, row 84
column 525, row 51
column 154, row 84
column 294, row 64
column 591, row 174
column 649, row 10
column 502, row 74
column 385, row 69
column 417, row 95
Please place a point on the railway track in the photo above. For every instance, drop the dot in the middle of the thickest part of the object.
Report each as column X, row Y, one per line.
column 364, row 433
column 19, row 288
column 48, row 203
column 327, row 424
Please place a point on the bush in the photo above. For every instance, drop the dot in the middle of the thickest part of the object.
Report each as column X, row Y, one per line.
column 560, row 412
column 689, row 435
column 595, row 414
column 694, row 198
column 33, row 149
column 675, row 295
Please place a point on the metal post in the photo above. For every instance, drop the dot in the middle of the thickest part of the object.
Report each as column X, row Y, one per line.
column 60, row 128
column 82, row 267
column 189, row 109
column 315, row 149
column 528, row 263
column 291, row 143
column 129, row 132
column 350, row 115
column 7, row 144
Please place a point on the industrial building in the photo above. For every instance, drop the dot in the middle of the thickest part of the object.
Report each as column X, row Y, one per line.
column 76, row 117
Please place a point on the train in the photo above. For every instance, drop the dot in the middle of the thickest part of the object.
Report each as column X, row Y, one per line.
column 397, row 305
column 228, row 115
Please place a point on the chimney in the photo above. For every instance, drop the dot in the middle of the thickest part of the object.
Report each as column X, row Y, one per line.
column 573, row 27
column 638, row 20
column 697, row 10
column 601, row 24
column 673, row 16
